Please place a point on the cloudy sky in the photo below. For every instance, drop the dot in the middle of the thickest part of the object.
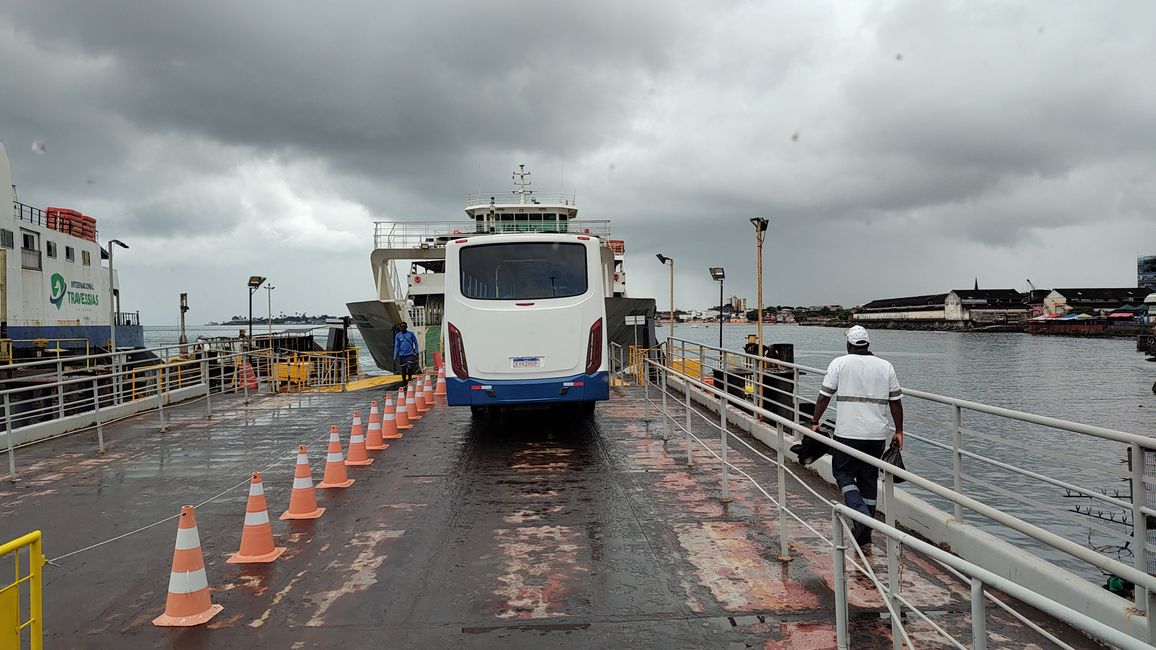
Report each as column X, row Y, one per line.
column 897, row 147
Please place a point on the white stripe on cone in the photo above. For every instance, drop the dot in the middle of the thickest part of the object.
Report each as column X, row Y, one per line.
column 189, row 582
column 256, row 518
column 256, row 489
column 188, row 539
column 302, row 483
column 336, row 457
column 302, row 459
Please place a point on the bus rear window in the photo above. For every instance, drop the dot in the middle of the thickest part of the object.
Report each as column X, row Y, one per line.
column 529, row 271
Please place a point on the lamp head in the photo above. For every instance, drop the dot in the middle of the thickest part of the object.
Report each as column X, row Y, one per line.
column 255, row 281
column 760, row 223
column 664, row 259
column 717, row 273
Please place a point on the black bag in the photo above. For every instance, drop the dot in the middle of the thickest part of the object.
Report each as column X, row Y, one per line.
column 893, row 456
column 810, row 449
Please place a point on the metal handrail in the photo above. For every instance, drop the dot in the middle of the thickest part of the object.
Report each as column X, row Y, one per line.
column 435, row 234
column 506, row 199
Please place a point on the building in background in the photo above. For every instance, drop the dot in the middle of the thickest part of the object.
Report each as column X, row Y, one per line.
column 959, row 308
column 1146, row 272
column 1094, row 301
column 739, row 304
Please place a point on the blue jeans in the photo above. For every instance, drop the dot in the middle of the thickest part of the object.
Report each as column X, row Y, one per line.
column 858, row 481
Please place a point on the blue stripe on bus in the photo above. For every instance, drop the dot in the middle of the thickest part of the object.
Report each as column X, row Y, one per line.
column 474, row 392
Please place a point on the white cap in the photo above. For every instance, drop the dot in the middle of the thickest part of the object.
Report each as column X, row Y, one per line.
column 857, row 335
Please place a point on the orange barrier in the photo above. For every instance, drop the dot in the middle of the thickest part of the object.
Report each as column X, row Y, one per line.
column 335, row 476
column 357, row 454
column 303, row 499
column 373, row 438
column 257, row 535
column 402, row 414
column 389, row 421
column 189, row 602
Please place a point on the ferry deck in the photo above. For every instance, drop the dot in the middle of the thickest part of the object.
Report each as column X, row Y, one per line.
column 527, row 530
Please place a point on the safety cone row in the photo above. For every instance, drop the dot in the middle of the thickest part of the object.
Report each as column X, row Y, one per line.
column 335, row 475
column 303, row 499
column 257, row 536
column 389, row 428
column 374, row 441
column 402, row 413
column 188, row 601
column 358, row 457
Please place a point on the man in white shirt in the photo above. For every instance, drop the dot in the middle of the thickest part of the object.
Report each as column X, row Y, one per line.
column 866, row 388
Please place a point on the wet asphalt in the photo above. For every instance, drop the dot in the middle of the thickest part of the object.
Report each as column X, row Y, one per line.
column 529, row 530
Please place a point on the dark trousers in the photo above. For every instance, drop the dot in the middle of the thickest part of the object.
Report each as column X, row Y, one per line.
column 407, row 365
column 858, row 481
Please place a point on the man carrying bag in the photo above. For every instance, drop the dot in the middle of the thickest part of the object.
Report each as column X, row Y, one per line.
column 866, row 388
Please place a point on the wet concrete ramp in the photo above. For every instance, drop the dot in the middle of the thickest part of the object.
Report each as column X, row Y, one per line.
column 533, row 530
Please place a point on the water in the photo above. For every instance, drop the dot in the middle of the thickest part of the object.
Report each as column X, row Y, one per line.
column 1103, row 382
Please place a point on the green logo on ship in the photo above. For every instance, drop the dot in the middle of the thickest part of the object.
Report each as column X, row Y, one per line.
column 59, row 288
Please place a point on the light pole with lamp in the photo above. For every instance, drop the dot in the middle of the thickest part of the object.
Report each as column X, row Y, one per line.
column 760, row 224
column 669, row 261
column 255, row 282
column 112, row 244
column 717, row 273
column 269, row 290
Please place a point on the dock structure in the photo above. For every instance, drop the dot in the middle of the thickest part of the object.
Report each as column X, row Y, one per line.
column 526, row 530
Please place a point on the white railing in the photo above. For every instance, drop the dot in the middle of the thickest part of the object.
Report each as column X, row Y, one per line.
column 45, row 399
column 435, row 234
column 777, row 398
column 509, row 198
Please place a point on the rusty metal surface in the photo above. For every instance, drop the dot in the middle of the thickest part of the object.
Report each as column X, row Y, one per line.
column 526, row 531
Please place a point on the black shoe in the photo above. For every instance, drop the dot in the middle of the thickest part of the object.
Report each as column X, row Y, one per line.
column 863, row 537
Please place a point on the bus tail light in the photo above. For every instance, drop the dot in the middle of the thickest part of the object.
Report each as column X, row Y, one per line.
column 593, row 348
column 458, row 353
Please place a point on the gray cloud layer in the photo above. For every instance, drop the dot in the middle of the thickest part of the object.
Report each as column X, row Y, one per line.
column 906, row 147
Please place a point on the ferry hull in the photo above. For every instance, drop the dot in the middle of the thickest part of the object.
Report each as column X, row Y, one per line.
column 578, row 388
column 75, row 337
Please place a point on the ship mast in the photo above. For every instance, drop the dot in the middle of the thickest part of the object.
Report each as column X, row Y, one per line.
column 521, row 182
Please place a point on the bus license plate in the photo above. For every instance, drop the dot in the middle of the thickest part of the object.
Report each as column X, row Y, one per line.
column 519, row 363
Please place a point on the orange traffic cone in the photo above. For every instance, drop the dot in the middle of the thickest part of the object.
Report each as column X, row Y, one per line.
column 440, row 389
column 373, row 438
column 257, row 535
column 389, row 422
column 303, row 500
column 248, row 377
column 402, row 415
column 411, row 405
column 438, row 360
column 428, row 390
column 357, row 454
column 419, row 396
column 335, row 476
column 189, row 602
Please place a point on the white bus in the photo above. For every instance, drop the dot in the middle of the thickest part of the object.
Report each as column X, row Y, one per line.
column 525, row 320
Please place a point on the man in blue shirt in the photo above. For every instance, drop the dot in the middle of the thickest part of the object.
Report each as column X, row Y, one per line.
column 405, row 352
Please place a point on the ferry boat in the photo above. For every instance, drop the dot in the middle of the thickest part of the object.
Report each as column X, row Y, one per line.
column 56, row 299
column 408, row 263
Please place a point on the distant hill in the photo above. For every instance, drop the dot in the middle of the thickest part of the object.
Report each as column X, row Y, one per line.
column 283, row 319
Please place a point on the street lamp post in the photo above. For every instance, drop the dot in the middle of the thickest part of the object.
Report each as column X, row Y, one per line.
column 718, row 273
column 255, row 282
column 760, row 224
column 669, row 261
column 269, row 290
column 112, row 243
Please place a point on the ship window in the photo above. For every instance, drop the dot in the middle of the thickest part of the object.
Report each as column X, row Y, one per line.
column 50, row 248
column 86, row 258
column 7, row 239
column 533, row 271
column 70, row 253
column 28, row 241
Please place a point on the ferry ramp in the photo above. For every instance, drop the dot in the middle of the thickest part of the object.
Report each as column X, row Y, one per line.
column 530, row 530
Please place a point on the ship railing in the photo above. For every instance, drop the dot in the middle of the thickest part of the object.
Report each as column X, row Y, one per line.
column 29, row 214
column 508, row 198
column 71, row 395
column 1060, row 504
column 435, row 234
column 128, row 318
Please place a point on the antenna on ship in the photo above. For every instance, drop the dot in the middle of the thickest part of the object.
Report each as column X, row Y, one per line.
column 521, row 183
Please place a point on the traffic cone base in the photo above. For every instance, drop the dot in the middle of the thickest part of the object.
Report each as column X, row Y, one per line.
column 359, row 463
column 237, row 558
column 188, row 602
column 343, row 484
column 308, row 515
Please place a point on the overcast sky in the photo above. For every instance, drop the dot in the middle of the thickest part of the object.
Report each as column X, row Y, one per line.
column 897, row 147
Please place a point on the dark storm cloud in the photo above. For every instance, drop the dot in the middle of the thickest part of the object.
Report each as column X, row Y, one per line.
column 896, row 146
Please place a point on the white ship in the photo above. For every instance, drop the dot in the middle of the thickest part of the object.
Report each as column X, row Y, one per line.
column 55, row 296
column 408, row 264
